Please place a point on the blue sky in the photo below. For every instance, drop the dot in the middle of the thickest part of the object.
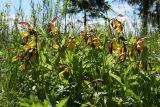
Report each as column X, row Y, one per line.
column 118, row 7
column 14, row 5
column 26, row 6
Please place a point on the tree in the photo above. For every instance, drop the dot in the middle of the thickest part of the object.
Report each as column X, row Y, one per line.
column 145, row 13
column 155, row 14
column 92, row 8
column 158, row 13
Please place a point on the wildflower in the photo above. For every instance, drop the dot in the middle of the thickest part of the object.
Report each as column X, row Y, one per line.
column 61, row 74
column 89, row 41
column 120, row 49
column 117, row 25
column 116, row 46
column 54, row 44
column 25, row 34
column 93, row 41
column 65, row 68
column 52, row 26
column 29, row 45
column 22, row 67
column 139, row 45
column 16, row 58
column 96, row 41
column 70, row 42
column 84, row 36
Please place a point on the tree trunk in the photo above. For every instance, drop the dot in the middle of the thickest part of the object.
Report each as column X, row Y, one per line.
column 158, row 14
column 65, row 24
column 85, row 20
column 145, row 5
column 65, row 27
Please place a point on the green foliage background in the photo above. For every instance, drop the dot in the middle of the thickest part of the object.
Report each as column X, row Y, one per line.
column 95, row 77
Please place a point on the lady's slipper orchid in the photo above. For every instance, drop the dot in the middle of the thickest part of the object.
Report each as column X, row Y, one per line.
column 52, row 26
column 117, row 25
column 29, row 45
column 96, row 42
column 54, row 44
column 16, row 58
column 139, row 45
column 25, row 34
column 70, row 42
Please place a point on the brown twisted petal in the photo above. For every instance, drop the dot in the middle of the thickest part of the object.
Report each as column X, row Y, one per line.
column 139, row 45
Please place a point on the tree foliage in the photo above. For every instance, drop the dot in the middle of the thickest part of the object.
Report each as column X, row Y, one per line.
column 91, row 8
column 149, row 11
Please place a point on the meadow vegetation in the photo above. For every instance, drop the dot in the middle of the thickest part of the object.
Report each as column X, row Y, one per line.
column 47, row 63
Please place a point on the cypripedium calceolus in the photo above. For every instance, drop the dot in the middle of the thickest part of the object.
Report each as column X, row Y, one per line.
column 51, row 26
column 113, row 45
column 116, row 25
column 54, row 33
column 25, row 34
column 84, row 36
column 17, row 57
column 53, row 30
column 139, row 52
column 30, row 45
column 142, row 52
column 120, row 50
column 29, row 38
column 90, row 38
column 139, row 45
column 70, row 43
column 94, row 41
column 54, row 44
column 65, row 68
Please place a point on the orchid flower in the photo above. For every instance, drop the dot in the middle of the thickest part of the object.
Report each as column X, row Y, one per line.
column 70, row 42
column 117, row 25
column 52, row 26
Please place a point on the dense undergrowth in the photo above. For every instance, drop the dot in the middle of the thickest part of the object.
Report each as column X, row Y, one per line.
column 102, row 66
